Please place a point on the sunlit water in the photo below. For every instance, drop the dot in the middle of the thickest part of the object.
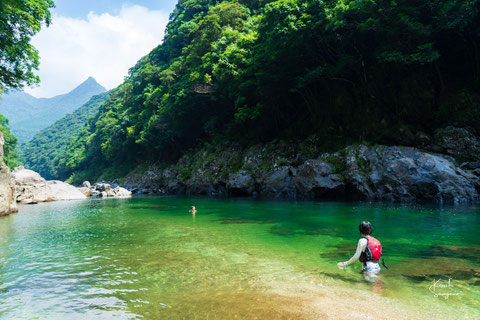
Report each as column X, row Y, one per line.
column 149, row 258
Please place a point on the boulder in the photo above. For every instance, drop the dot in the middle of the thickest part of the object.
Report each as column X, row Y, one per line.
column 122, row 193
column 26, row 177
column 407, row 174
column 108, row 192
column 32, row 188
column 86, row 184
column 101, row 187
column 59, row 190
column 49, row 191
column 316, row 179
column 279, row 184
column 241, row 184
column 86, row 191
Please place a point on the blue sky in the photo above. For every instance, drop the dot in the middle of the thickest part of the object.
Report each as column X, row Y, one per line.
column 80, row 8
column 98, row 38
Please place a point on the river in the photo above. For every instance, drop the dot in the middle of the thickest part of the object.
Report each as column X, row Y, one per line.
column 150, row 258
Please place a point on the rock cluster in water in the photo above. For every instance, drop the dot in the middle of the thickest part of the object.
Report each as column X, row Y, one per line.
column 360, row 172
column 104, row 190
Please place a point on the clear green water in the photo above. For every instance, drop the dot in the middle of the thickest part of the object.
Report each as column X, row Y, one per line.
column 148, row 257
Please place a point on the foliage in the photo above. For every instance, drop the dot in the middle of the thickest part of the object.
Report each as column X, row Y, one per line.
column 247, row 71
column 10, row 157
column 43, row 152
column 19, row 21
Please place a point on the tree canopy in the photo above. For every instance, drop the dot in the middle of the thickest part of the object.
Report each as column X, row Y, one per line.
column 19, row 21
column 345, row 71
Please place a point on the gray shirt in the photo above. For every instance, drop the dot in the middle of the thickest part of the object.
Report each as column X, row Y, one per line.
column 362, row 244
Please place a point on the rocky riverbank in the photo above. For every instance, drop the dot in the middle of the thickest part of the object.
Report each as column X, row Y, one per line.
column 361, row 172
column 32, row 188
column 28, row 187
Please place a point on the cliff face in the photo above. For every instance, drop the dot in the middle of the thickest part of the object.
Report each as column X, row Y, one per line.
column 278, row 170
column 8, row 202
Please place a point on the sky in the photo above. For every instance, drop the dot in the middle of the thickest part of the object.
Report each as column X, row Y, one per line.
column 98, row 38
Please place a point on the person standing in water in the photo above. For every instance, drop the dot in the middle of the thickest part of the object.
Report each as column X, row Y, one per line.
column 368, row 251
column 193, row 210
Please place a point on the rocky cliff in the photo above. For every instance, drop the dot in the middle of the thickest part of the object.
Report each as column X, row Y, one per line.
column 279, row 170
column 7, row 186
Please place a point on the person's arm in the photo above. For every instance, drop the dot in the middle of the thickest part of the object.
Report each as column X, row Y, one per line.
column 362, row 243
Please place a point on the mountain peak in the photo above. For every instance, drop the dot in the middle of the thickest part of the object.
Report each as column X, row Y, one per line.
column 89, row 85
column 90, row 82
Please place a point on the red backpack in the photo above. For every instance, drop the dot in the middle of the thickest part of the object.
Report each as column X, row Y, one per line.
column 373, row 251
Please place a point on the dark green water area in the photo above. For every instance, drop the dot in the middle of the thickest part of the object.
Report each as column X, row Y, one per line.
column 150, row 258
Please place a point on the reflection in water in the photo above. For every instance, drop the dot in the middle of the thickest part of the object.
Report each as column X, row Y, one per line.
column 145, row 257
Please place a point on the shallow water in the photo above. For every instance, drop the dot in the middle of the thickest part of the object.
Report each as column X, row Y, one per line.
column 246, row 259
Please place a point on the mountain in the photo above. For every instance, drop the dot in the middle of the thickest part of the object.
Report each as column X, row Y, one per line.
column 28, row 115
column 42, row 152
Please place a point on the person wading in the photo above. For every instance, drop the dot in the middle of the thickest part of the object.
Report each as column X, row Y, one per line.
column 368, row 251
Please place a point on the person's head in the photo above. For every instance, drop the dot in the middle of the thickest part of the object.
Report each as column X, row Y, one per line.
column 365, row 228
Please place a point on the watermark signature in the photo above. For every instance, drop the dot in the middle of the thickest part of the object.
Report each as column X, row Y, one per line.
column 442, row 288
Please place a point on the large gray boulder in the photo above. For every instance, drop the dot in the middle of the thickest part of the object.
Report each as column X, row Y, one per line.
column 26, row 177
column 279, row 184
column 32, row 188
column 316, row 179
column 241, row 183
column 407, row 174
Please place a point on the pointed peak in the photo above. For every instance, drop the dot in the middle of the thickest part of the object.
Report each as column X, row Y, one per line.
column 90, row 80
column 90, row 83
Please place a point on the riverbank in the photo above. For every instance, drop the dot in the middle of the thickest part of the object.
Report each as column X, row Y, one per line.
column 288, row 171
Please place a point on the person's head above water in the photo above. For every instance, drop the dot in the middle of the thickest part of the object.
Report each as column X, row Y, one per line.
column 365, row 228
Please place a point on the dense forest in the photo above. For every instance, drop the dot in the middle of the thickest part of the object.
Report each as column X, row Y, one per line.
column 344, row 71
column 43, row 152
column 19, row 21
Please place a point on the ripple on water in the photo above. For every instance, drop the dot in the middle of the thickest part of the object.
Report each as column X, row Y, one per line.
column 149, row 258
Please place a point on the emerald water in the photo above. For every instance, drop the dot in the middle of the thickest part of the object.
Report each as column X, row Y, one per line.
column 149, row 258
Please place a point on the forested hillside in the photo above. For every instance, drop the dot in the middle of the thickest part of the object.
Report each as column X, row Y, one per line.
column 28, row 115
column 252, row 71
column 43, row 152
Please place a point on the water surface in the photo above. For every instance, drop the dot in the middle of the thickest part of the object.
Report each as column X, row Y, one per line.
column 149, row 258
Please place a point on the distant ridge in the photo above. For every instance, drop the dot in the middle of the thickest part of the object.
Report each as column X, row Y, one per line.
column 43, row 151
column 28, row 115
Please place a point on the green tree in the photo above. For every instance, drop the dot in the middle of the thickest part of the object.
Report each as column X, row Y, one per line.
column 19, row 21
column 10, row 156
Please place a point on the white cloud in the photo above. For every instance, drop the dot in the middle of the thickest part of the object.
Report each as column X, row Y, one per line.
column 103, row 46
